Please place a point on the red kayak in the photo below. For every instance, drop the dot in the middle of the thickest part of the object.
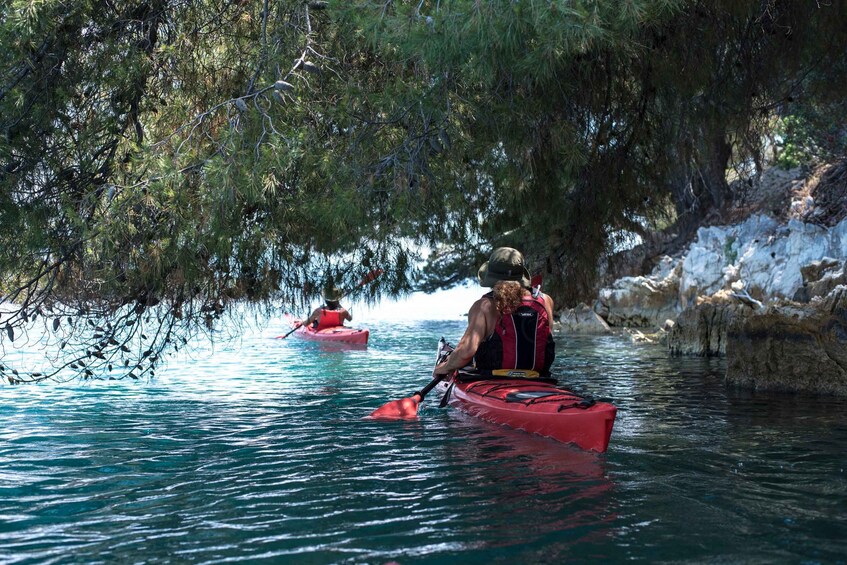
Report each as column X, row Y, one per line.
column 336, row 334
column 534, row 405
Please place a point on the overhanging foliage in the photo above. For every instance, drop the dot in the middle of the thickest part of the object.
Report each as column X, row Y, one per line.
column 163, row 161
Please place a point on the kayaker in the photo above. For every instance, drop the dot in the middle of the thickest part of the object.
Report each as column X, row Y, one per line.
column 331, row 313
column 509, row 327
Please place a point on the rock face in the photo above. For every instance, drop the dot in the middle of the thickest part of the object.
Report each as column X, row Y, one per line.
column 792, row 347
column 583, row 320
column 765, row 258
column 641, row 302
column 820, row 278
column 702, row 329
column 760, row 251
column 768, row 292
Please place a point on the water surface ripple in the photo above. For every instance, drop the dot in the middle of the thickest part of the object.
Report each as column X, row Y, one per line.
column 259, row 451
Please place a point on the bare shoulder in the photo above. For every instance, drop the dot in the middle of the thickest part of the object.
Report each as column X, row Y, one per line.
column 482, row 317
column 548, row 304
column 483, row 305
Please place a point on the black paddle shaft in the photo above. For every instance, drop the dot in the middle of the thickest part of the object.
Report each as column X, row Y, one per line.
column 297, row 327
column 440, row 356
column 425, row 390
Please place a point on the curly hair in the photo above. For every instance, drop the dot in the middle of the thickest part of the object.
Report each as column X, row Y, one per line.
column 507, row 296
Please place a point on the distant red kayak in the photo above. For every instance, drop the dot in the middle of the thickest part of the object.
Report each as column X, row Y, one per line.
column 338, row 334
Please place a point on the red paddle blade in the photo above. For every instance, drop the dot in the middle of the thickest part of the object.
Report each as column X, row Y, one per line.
column 403, row 409
column 535, row 281
column 370, row 277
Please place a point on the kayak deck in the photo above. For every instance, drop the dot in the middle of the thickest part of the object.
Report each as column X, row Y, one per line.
column 536, row 407
column 338, row 334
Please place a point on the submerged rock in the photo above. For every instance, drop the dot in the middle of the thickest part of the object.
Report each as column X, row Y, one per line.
column 791, row 347
column 639, row 337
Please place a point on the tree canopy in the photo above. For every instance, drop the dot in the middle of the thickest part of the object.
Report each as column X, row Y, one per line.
column 162, row 162
column 592, row 120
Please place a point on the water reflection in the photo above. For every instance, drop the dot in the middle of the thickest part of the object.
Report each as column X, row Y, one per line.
column 531, row 487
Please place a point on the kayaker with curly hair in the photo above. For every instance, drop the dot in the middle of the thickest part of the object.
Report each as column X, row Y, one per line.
column 509, row 327
column 331, row 313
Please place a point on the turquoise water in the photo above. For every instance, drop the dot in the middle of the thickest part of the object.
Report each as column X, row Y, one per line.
column 258, row 450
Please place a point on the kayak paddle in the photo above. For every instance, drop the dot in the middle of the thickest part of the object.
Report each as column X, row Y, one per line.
column 294, row 329
column 370, row 277
column 407, row 408
column 535, row 282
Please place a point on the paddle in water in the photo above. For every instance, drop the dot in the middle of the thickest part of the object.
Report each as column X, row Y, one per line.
column 407, row 408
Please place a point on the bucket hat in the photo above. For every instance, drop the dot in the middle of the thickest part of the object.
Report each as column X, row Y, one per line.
column 331, row 294
column 504, row 264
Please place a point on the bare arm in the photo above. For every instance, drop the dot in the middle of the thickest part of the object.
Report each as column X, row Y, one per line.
column 345, row 314
column 548, row 303
column 480, row 322
column 313, row 318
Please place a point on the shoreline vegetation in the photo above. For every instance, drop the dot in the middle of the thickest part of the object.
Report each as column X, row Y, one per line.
column 167, row 166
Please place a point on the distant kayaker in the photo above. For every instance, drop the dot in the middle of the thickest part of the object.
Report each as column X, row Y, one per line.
column 508, row 328
column 331, row 313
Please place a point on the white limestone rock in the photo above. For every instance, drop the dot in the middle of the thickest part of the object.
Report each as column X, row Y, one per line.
column 583, row 320
column 643, row 301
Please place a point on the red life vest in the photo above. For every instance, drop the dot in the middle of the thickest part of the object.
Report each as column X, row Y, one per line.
column 329, row 319
column 521, row 340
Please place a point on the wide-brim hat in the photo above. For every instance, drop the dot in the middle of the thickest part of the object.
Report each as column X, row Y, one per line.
column 331, row 294
column 504, row 264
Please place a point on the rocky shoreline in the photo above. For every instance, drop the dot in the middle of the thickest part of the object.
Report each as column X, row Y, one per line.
column 769, row 292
